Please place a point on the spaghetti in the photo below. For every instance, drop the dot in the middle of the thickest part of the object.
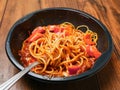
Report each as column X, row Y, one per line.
column 61, row 50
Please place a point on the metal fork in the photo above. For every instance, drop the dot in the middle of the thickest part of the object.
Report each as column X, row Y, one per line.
column 6, row 85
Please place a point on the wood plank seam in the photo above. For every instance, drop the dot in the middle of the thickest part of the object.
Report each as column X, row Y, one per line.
column 3, row 13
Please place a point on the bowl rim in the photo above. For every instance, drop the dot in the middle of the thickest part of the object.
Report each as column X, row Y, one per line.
column 86, row 74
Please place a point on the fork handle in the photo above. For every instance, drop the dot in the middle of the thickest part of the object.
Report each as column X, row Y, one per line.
column 6, row 85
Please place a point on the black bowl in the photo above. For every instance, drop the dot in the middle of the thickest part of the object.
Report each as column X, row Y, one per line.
column 19, row 32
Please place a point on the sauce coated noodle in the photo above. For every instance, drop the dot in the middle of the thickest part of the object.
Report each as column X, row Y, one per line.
column 62, row 50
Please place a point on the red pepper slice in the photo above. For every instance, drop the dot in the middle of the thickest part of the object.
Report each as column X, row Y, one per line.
column 73, row 69
column 38, row 30
column 34, row 37
column 93, row 51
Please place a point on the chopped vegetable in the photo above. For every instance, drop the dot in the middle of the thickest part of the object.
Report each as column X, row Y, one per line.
column 73, row 69
column 93, row 51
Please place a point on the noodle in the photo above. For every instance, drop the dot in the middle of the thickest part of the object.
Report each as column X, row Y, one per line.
column 61, row 50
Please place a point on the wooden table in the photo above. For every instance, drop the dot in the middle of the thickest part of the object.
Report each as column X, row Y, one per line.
column 107, row 11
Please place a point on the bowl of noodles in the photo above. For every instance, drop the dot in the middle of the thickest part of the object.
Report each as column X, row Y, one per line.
column 69, row 44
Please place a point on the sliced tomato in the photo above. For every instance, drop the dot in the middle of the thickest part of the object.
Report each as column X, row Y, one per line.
column 93, row 51
column 88, row 40
column 39, row 30
column 34, row 37
column 73, row 69
column 97, row 54
column 57, row 29
column 54, row 28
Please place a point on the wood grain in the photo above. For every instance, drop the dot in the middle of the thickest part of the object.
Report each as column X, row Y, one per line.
column 2, row 8
column 107, row 11
column 14, row 11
